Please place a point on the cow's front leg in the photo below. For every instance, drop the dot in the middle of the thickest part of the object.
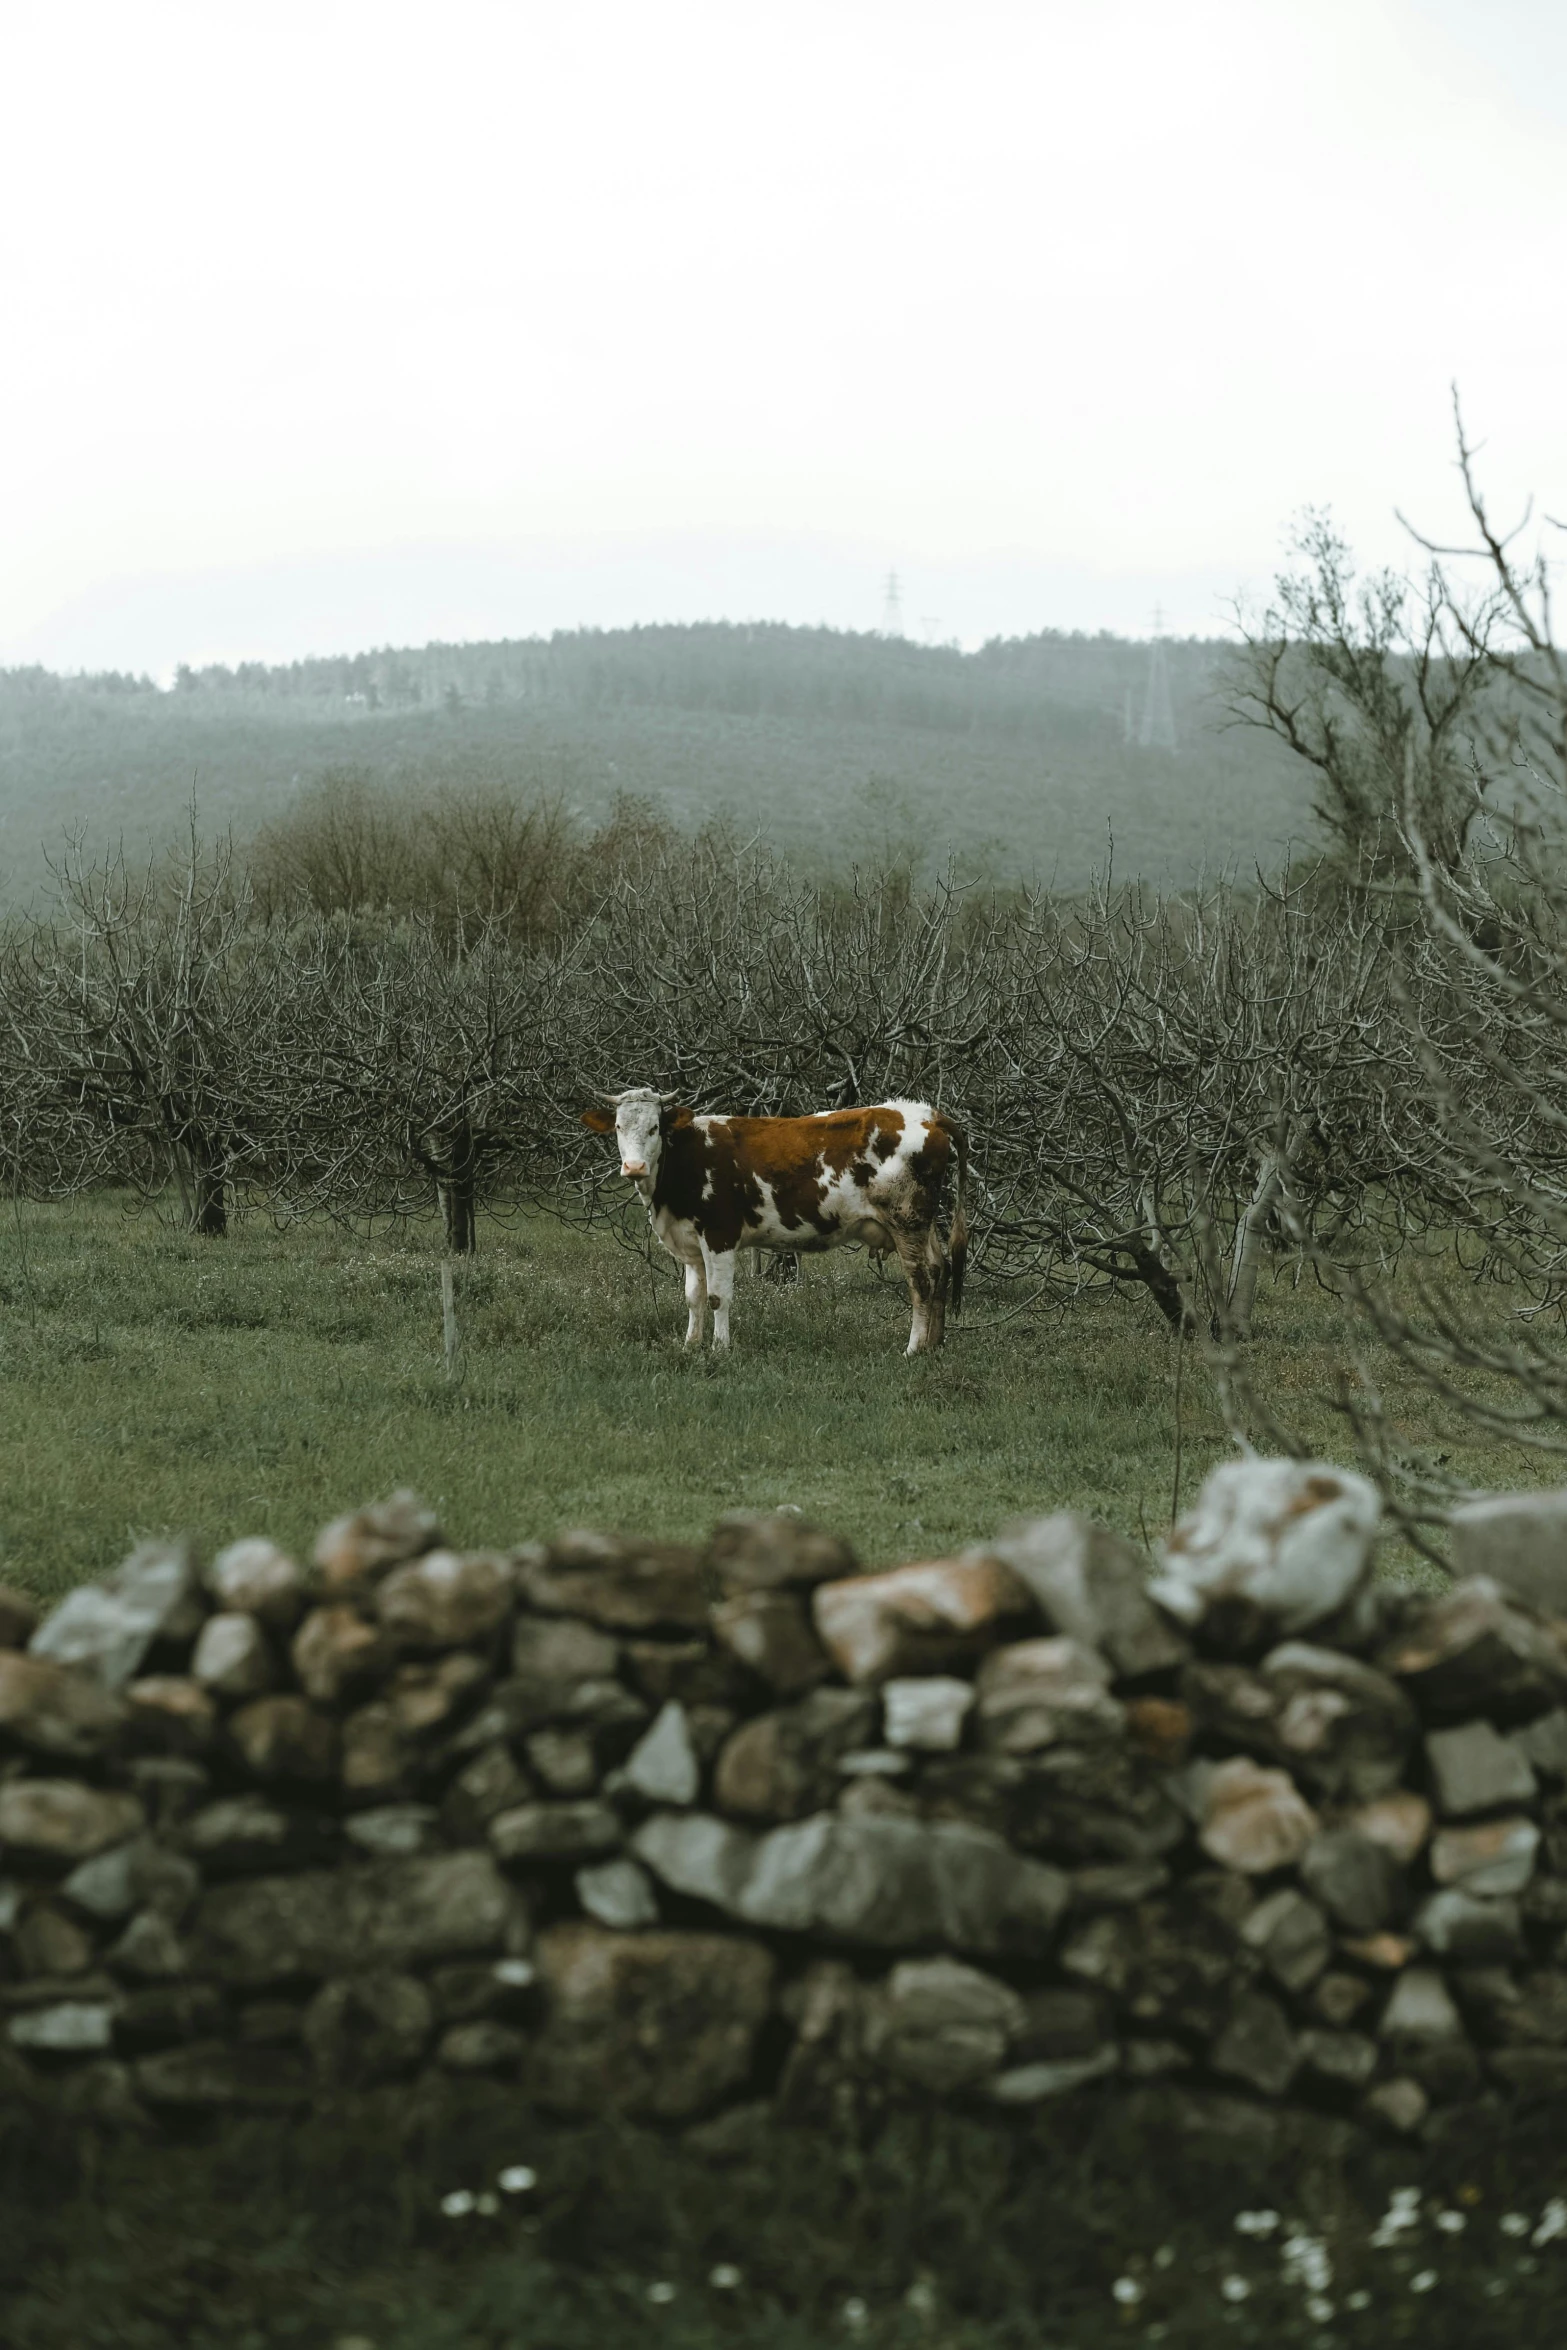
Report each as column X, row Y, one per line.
column 720, row 1268
column 696, row 1304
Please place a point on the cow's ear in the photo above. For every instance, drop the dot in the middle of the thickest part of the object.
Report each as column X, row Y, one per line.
column 601, row 1121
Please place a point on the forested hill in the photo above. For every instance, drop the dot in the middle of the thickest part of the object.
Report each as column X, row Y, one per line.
column 1028, row 757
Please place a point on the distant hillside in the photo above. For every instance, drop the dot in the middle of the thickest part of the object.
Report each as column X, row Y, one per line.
column 1023, row 759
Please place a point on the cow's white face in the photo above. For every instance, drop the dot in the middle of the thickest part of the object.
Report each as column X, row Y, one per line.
column 640, row 1136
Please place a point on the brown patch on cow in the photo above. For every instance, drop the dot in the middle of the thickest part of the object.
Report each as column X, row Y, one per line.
column 601, row 1121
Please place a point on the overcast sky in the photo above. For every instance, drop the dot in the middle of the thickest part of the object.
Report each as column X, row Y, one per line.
column 335, row 324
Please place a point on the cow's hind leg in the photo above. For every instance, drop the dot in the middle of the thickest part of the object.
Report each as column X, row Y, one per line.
column 696, row 1304
column 719, row 1265
column 928, row 1274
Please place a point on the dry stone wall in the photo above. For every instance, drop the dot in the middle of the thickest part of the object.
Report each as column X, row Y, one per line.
column 641, row 1827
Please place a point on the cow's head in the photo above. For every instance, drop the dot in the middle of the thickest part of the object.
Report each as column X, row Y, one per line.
column 637, row 1119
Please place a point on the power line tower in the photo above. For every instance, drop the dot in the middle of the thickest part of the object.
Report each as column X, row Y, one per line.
column 1157, row 732
column 892, row 607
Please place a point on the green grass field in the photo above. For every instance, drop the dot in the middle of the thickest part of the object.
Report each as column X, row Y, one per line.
column 262, row 1384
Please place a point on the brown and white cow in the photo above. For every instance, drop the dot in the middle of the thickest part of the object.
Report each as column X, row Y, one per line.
column 714, row 1186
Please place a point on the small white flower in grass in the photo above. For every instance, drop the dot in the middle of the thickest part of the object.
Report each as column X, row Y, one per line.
column 517, row 2179
column 1514, row 2223
column 1405, row 2199
column 661, row 2293
column 486, row 2205
column 1358, row 2300
column 1127, row 2291
column 1494, row 2288
column 1305, row 2262
column 921, row 2297
column 1235, row 2289
column 457, row 2205
column 1452, row 2223
column 1318, row 2310
column 855, row 2314
column 1165, row 2256
column 1255, row 2223
column 725, row 2278
column 1553, row 2223
column 1423, row 2282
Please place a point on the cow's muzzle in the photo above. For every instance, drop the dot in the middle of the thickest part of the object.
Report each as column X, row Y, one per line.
column 633, row 1167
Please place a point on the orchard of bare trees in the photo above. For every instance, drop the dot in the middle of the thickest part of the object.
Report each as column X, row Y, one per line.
column 386, row 1004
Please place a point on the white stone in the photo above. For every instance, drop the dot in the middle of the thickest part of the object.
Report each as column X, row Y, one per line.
column 231, row 1657
column 618, row 1893
column 394, row 1830
column 1474, row 1768
column 790, row 1865
column 927, row 1713
column 1497, row 1857
column 106, row 1886
column 1030, row 2084
column 74, row 2027
column 1518, row 1539
column 1421, row 2008
column 1292, row 1537
column 108, row 1627
column 662, row 1765
column 696, row 1854
column 257, row 1577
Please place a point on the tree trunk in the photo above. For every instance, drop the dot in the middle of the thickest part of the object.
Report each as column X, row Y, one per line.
column 1161, row 1284
column 198, row 1170
column 455, row 1187
column 455, row 1193
column 210, row 1213
column 1247, row 1261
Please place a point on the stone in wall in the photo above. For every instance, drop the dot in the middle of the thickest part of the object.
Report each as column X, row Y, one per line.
column 257, row 1579
column 770, row 1633
column 775, row 1550
column 354, row 1551
column 658, row 2025
column 54, row 1710
column 783, row 1764
column 621, row 1585
column 18, row 1617
column 1476, row 1650
column 1090, row 1585
column 1269, row 1545
column 442, row 1600
column 108, row 1628
column 325, row 1922
column 1518, row 1540
column 924, row 1618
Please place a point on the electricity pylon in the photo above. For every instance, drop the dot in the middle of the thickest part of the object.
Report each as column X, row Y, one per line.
column 1157, row 732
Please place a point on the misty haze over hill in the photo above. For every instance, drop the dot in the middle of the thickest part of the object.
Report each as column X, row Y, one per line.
column 1023, row 760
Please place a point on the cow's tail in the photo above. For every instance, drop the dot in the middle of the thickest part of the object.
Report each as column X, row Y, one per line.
column 957, row 1232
